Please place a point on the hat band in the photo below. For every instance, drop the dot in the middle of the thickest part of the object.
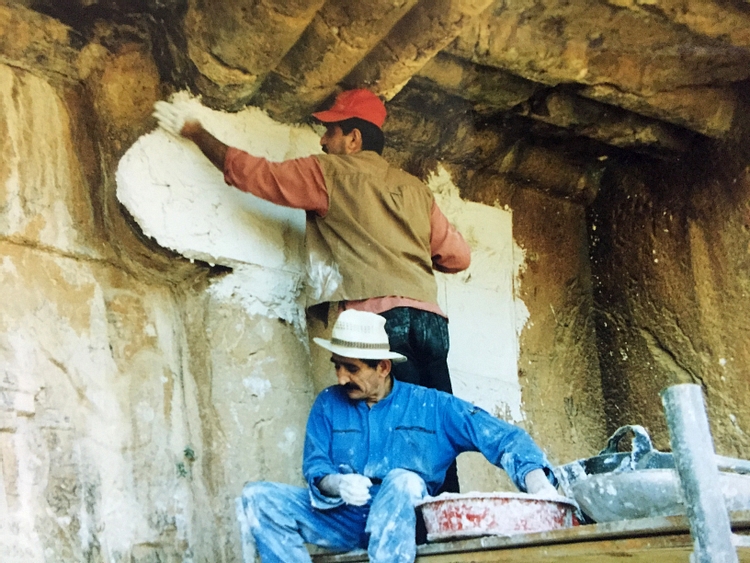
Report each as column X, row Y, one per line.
column 360, row 345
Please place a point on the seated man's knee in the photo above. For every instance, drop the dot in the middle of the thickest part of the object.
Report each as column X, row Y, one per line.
column 255, row 498
column 258, row 490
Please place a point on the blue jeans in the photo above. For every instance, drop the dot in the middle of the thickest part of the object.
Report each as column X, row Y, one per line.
column 422, row 337
column 280, row 519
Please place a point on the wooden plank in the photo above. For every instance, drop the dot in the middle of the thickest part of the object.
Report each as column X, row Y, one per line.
column 664, row 549
column 668, row 549
column 665, row 539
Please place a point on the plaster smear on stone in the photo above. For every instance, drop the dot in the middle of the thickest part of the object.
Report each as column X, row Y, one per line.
column 32, row 110
column 20, row 540
column 12, row 156
column 107, row 431
column 13, row 210
column 289, row 444
column 257, row 386
column 182, row 519
column 522, row 312
column 481, row 304
column 264, row 291
column 8, row 267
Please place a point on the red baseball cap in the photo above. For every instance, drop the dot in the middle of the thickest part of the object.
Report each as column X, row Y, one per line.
column 354, row 103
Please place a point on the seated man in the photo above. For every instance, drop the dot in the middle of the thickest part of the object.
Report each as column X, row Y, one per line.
column 374, row 448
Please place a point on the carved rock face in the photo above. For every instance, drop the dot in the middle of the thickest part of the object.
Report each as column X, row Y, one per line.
column 635, row 76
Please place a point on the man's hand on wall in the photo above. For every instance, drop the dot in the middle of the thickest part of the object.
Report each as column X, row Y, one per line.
column 179, row 119
column 353, row 489
column 173, row 117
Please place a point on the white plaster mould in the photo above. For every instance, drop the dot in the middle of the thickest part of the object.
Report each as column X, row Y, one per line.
column 179, row 198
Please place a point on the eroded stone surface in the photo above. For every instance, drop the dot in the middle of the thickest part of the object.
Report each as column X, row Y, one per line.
column 235, row 44
column 558, row 365
column 671, row 290
column 339, row 36
column 43, row 192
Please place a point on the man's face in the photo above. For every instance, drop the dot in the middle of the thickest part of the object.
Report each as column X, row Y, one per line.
column 334, row 141
column 360, row 381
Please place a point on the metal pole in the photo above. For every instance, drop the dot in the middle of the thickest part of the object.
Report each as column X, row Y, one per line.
column 693, row 452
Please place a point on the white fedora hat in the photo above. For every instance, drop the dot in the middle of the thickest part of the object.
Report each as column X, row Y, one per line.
column 360, row 335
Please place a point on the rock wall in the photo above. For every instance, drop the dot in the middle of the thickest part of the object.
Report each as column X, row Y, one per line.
column 140, row 387
column 671, row 270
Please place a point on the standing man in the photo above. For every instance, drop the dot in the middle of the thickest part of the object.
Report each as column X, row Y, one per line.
column 374, row 233
column 372, row 452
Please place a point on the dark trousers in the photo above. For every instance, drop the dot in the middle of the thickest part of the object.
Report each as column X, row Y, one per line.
column 422, row 337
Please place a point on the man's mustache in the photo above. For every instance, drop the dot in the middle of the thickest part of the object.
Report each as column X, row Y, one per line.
column 351, row 387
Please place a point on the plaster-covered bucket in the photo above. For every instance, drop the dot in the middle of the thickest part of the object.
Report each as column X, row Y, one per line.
column 453, row 516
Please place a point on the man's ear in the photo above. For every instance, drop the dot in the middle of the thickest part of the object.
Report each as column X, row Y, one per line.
column 354, row 141
column 385, row 366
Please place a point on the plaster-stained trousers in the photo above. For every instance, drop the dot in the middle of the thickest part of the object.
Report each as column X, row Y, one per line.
column 279, row 519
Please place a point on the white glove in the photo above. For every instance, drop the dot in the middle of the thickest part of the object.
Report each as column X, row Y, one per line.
column 172, row 116
column 538, row 484
column 353, row 488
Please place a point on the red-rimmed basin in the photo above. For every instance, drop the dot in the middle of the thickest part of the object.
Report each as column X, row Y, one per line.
column 452, row 516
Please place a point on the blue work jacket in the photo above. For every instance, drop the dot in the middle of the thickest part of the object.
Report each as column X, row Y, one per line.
column 414, row 428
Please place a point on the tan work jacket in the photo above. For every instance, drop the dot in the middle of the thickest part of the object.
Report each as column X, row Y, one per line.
column 375, row 239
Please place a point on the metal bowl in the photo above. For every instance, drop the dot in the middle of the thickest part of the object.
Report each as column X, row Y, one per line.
column 647, row 493
column 641, row 483
column 452, row 516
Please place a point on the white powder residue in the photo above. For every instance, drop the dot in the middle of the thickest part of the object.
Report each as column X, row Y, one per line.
column 257, row 386
column 289, row 443
column 264, row 291
column 323, row 278
column 521, row 311
column 8, row 267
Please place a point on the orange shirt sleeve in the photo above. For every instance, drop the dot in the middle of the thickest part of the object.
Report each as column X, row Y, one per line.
column 450, row 252
column 297, row 183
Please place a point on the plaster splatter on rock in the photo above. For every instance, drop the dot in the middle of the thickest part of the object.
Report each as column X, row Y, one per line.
column 257, row 386
column 521, row 311
column 289, row 442
column 264, row 291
